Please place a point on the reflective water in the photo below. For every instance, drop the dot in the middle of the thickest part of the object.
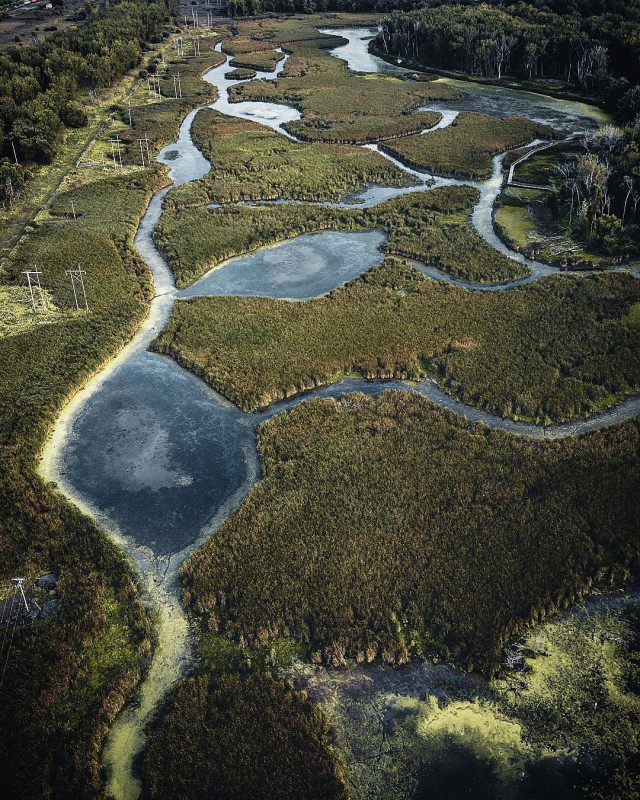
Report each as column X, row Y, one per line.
column 300, row 269
column 157, row 452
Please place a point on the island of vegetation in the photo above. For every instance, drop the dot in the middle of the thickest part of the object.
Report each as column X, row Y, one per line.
column 466, row 147
column 386, row 528
column 549, row 351
column 432, row 227
column 251, row 162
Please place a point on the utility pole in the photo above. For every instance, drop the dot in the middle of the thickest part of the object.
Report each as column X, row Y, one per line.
column 19, row 582
column 129, row 110
column 33, row 279
column 177, row 86
column 115, row 149
column 78, row 275
column 196, row 46
column 73, row 211
column 15, row 155
column 144, row 150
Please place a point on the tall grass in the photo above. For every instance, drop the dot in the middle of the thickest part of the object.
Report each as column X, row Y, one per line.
column 239, row 736
column 251, row 162
column 431, row 227
column 338, row 105
column 465, row 148
column 388, row 527
column 548, row 352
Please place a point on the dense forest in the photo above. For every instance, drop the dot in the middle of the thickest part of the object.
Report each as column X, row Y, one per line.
column 591, row 45
column 601, row 189
column 40, row 86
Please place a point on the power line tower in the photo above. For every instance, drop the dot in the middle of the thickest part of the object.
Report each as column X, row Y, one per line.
column 33, row 279
column 180, row 47
column 19, row 583
column 145, row 154
column 153, row 82
column 116, row 153
column 177, row 86
column 78, row 275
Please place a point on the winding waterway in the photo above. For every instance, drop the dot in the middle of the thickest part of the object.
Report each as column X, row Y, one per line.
column 160, row 460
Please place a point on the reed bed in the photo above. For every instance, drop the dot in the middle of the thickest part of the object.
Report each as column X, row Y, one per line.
column 386, row 528
column 465, row 149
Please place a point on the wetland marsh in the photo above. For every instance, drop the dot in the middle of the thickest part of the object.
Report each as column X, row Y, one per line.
column 165, row 463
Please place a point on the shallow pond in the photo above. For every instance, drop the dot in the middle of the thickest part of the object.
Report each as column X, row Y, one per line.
column 299, row 269
column 156, row 452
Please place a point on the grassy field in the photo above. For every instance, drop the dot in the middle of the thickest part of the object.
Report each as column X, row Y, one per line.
column 431, row 227
column 387, row 527
column 465, row 148
column 548, row 352
column 251, row 162
column 251, row 54
column 238, row 736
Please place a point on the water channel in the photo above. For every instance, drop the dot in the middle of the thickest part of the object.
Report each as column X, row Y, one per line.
column 160, row 460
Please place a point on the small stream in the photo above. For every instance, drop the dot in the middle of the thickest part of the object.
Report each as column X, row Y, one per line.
column 160, row 460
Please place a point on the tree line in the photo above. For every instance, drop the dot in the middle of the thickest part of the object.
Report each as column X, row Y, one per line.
column 601, row 189
column 593, row 46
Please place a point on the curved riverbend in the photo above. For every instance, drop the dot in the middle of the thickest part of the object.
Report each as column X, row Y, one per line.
column 160, row 460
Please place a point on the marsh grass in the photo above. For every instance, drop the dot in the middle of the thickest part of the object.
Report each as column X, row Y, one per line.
column 388, row 527
column 547, row 352
column 339, row 106
column 238, row 736
column 431, row 227
column 251, row 162
column 16, row 311
column 465, row 148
